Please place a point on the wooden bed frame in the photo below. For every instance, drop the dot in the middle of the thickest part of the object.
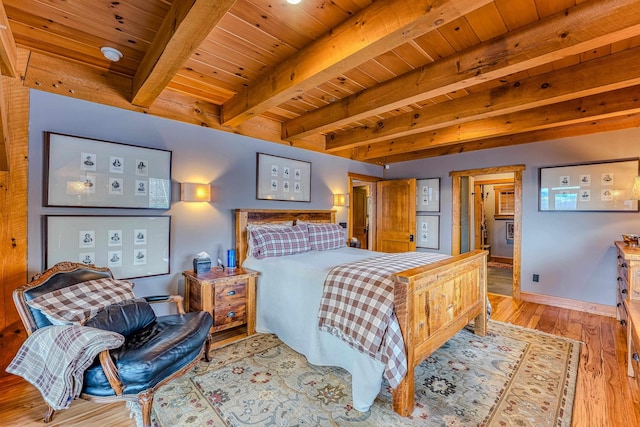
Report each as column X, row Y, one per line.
column 432, row 302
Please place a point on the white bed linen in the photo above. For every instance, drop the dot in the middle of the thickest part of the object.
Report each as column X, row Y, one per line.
column 288, row 299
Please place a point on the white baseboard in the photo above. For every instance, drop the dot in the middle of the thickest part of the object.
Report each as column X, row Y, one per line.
column 587, row 307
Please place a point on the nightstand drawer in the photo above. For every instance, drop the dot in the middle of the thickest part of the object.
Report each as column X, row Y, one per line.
column 230, row 316
column 230, row 293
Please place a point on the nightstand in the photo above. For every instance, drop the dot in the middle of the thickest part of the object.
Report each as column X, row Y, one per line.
column 229, row 295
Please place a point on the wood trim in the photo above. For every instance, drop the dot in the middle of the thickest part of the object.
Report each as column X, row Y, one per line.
column 373, row 197
column 488, row 171
column 586, row 307
column 456, row 213
column 13, row 214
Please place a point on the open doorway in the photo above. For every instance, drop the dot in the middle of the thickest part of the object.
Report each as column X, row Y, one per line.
column 362, row 213
column 468, row 228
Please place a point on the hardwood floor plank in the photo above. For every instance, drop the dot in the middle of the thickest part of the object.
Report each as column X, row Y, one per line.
column 605, row 396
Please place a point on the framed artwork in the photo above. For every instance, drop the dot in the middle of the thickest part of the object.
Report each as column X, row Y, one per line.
column 84, row 172
column 131, row 246
column 428, row 195
column 281, row 178
column 510, row 230
column 428, row 231
column 588, row 187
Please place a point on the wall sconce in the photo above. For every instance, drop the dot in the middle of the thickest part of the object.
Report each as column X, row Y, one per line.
column 340, row 200
column 191, row 192
column 635, row 190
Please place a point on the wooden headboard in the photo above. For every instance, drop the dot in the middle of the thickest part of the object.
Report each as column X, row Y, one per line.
column 245, row 217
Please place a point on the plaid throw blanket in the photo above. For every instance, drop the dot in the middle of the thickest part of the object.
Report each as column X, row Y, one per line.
column 54, row 359
column 357, row 307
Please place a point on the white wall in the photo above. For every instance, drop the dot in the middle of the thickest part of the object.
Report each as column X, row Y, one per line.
column 572, row 252
column 200, row 154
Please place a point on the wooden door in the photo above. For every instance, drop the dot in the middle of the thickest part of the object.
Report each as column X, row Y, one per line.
column 360, row 215
column 396, row 215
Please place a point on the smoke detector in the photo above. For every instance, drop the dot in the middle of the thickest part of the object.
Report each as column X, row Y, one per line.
column 111, row 53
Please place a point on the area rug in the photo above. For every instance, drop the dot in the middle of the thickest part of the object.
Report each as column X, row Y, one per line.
column 501, row 265
column 512, row 377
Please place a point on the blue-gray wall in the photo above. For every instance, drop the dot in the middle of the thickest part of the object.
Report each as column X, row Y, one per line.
column 200, row 154
column 572, row 252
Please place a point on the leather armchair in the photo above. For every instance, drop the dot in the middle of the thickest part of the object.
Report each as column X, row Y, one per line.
column 156, row 350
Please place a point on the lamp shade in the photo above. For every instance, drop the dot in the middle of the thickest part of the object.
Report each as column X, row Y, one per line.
column 635, row 190
column 340, row 200
column 191, row 192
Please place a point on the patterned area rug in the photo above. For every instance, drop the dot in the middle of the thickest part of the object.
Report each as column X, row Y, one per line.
column 512, row 377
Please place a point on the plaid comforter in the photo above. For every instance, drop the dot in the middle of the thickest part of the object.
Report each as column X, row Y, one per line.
column 54, row 359
column 357, row 307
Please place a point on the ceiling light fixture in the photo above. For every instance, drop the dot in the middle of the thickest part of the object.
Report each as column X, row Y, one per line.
column 111, row 53
column 293, row 1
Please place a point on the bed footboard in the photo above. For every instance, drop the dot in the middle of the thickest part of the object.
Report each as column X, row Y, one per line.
column 432, row 304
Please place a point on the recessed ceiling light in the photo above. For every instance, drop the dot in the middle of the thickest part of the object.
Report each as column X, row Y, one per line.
column 293, row 1
column 111, row 54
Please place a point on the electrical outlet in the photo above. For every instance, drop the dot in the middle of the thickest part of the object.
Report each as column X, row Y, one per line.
column 536, row 277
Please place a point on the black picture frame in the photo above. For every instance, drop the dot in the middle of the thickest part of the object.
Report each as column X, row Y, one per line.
column 602, row 186
column 132, row 246
column 282, row 178
column 92, row 173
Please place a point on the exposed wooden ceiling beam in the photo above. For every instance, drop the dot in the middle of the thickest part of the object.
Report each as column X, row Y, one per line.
column 8, row 49
column 186, row 25
column 380, row 27
column 586, row 26
column 620, row 102
column 596, row 76
column 568, row 131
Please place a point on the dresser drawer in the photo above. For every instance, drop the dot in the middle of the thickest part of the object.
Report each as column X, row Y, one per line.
column 623, row 316
column 229, row 316
column 634, row 354
column 227, row 294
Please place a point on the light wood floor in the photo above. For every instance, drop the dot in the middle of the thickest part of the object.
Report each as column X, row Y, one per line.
column 605, row 396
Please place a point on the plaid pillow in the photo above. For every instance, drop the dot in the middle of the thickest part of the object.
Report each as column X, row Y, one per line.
column 326, row 236
column 78, row 303
column 280, row 242
column 266, row 225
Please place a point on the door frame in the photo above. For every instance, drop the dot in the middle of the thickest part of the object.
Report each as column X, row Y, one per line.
column 359, row 180
column 456, row 177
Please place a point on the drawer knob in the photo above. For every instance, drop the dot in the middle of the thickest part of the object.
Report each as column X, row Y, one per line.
column 230, row 293
column 618, row 304
column 623, row 322
column 623, row 265
column 624, row 291
column 619, row 279
column 231, row 314
column 636, row 357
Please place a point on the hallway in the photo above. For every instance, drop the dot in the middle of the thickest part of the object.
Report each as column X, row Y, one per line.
column 499, row 278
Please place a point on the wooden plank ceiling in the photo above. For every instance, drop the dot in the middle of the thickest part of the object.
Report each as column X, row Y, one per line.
column 376, row 81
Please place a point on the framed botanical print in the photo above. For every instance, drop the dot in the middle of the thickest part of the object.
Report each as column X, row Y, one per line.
column 84, row 172
column 281, row 178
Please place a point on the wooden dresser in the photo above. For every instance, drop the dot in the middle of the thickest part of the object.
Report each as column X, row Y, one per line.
column 229, row 295
column 633, row 339
column 628, row 280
